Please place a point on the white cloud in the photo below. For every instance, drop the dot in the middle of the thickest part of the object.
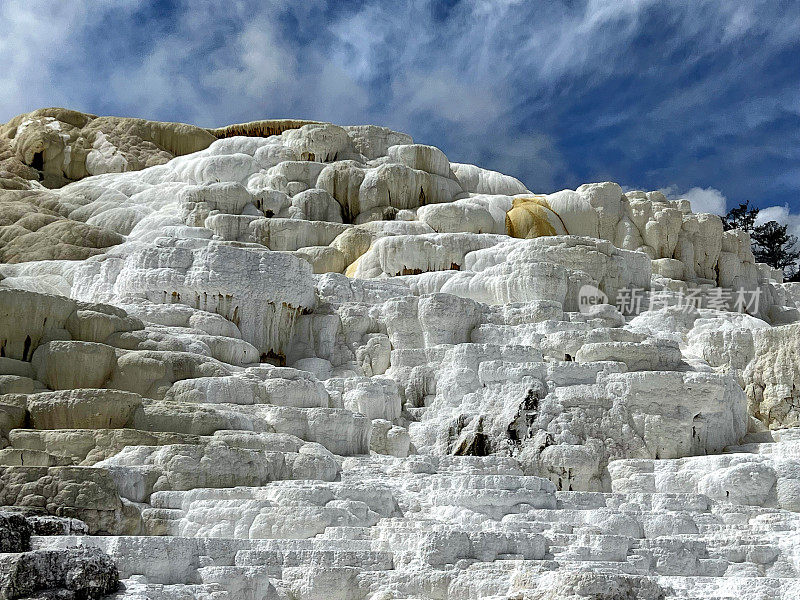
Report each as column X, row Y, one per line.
column 781, row 214
column 773, row 213
column 708, row 200
column 703, row 200
column 37, row 36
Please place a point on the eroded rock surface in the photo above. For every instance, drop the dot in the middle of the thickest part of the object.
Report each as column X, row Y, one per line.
column 70, row 573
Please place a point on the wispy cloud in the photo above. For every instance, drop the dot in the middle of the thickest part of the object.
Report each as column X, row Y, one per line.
column 698, row 94
column 703, row 200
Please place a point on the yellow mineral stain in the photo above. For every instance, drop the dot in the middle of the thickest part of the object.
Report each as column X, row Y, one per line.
column 351, row 270
column 531, row 217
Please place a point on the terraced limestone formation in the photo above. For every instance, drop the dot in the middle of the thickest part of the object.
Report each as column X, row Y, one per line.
column 292, row 360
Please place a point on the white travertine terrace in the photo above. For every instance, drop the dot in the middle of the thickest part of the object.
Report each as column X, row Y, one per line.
column 327, row 363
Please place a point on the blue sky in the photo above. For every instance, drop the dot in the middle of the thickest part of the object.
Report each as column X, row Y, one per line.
column 701, row 99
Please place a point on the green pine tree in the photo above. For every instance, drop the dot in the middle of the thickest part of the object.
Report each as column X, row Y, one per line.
column 774, row 246
column 771, row 242
column 742, row 217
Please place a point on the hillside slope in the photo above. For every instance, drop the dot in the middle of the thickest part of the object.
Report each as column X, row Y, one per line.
column 290, row 359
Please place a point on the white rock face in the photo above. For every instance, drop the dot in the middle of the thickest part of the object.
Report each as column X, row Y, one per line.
column 329, row 363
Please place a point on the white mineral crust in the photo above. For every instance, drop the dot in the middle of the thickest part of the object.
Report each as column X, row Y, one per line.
column 317, row 365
